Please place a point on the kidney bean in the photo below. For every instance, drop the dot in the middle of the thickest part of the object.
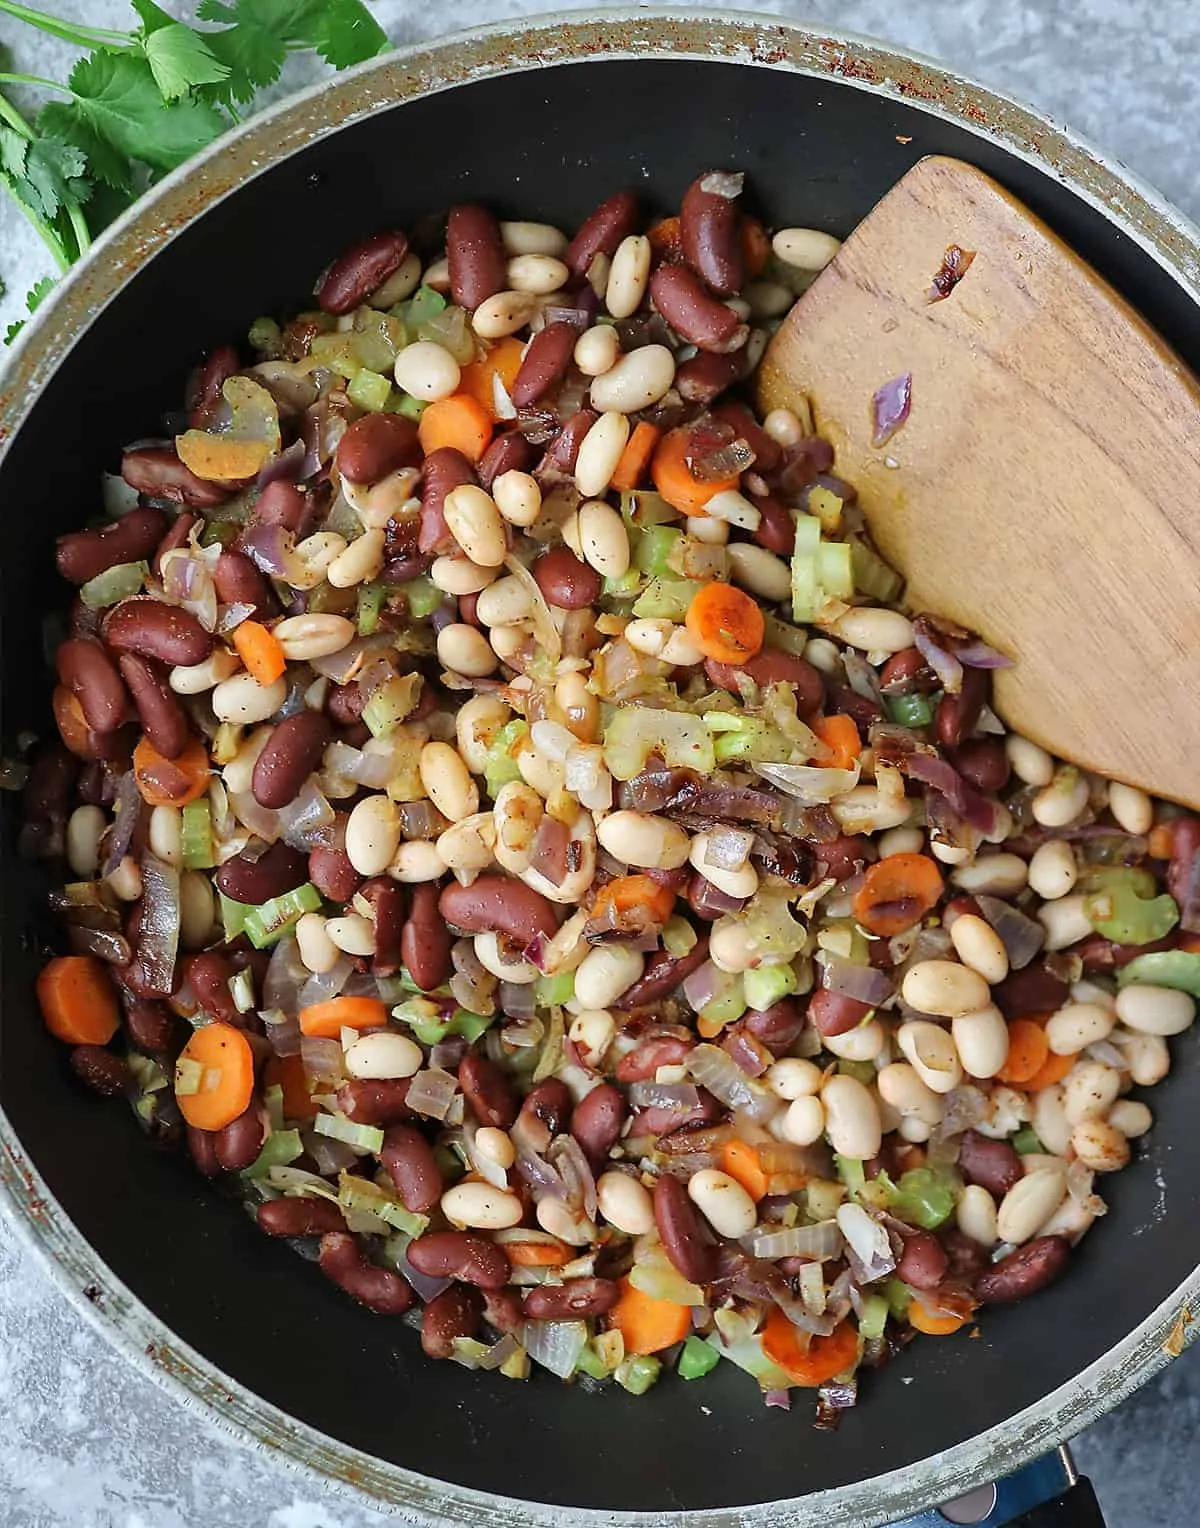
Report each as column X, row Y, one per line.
column 1024, row 1271
column 597, row 1120
column 923, row 1263
column 503, row 1310
column 202, row 1148
column 410, row 1163
column 157, row 472
column 677, row 1128
column 299, row 1217
column 101, row 1070
column 776, row 529
column 363, row 269
column 280, row 869
column 959, row 907
column 681, row 1231
column 905, row 672
column 495, row 903
column 992, row 1164
column 163, row 719
column 773, row 666
column 87, row 671
column 460, row 1255
column 663, row 973
column 425, row 939
column 711, row 239
column 565, row 581
column 95, row 785
column 563, row 451
column 332, row 874
column 544, row 363
column 487, row 1091
column 982, row 762
column 1100, row 954
column 456, row 1312
column 151, row 1026
column 684, row 301
column 475, row 255
column 602, row 231
column 768, row 453
column 777, row 1027
column 833, row 1013
column 210, row 974
column 1031, row 990
column 704, row 376
column 372, row 1101
column 844, row 856
column 83, row 555
column 379, row 1289
column 642, row 1063
column 376, row 445
column 573, row 1300
column 386, row 901
column 509, row 452
column 958, row 715
column 239, row 582
column 205, row 383
column 444, row 470
column 344, row 703
column 967, row 1259
column 240, row 1142
column 47, row 792
column 1183, row 870
column 293, row 751
column 281, row 503
column 544, row 1113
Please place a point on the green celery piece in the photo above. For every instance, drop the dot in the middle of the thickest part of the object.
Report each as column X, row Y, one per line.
column 909, row 710
column 233, row 916
column 369, row 390
column 423, row 597
column 834, row 571
column 654, row 548
column 223, row 532
column 554, row 991
column 264, row 925
column 924, row 1198
column 266, row 336
column 197, row 836
column 751, row 739
column 279, row 1148
column 1119, row 903
column 1026, row 1141
column 666, row 599
column 638, row 1374
column 765, row 985
column 423, row 305
column 697, row 1359
column 874, row 1317
column 371, row 600
column 863, row 1071
column 807, row 595
column 898, row 1296
column 872, row 576
column 727, row 1006
column 338, row 1128
column 623, row 588
column 1163, row 968
column 851, row 1172
column 408, row 408
column 391, row 703
column 591, row 1364
column 113, row 584
column 500, row 765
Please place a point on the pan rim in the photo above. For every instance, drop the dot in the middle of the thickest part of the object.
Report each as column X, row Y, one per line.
column 287, row 128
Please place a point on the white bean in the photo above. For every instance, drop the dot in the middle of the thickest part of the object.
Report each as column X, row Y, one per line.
column 427, row 371
column 304, row 637
column 978, row 945
column 734, row 883
column 416, row 862
column 867, row 809
column 793, row 1077
column 852, row 1119
column 1155, row 1010
column 1031, row 765
column 723, row 1202
column 802, row 1123
column 976, row 1215
column 493, row 957
column 373, row 835
column 768, row 299
column 605, row 973
column 1132, row 807
column 402, row 283
column 873, row 629
column 475, row 727
column 166, row 834
column 981, row 1040
column 598, row 456
column 1049, row 1119
column 314, row 555
column 638, row 379
column 243, row 701
column 1077, row 1026
column 360, row 562
column 603, row 538
column 503, row 314
column 1065, row 921
column 482, row 1207
column 1100, row 1145
column 863, row 1043
column 125, row 881
column 517, row 815
column 317, row 950
column 559, row 1220
column 1028, row 1204
column 592, row 1032
column 1090, row 1090
column 597, row 350
column 785, row 427
column 384, row 1055
column 945, row 988
column 628, row 276
column 731, row 947
column 196, row 678
column 468, row 845
column 1062, row 801
column 1147, row 1056
column 495, row 1145
column 539, row 274
column 459, row 575
column 197, row 909
column 644, row 840
column 902, row 1089
column 504, row 602
column 760, row 571
column 993, row 874
column 901, row 841
column 711, row 532
column 532, row 239
column 625, row 1203
column 476, row 524
column 464, row 649
column 518, row 497
column 1052, row 870
column 85, row 829
column 932, row 1053
column 1131, row 1117
column 447, row 781
column 353, row 934
column 808, row 249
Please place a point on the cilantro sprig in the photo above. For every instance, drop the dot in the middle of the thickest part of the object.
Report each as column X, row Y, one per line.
column 140, row 103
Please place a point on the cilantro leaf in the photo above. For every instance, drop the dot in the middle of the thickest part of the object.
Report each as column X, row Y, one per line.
column 64, row 120
column 13, row 152
column 252, row 49
column 152, row 17
column 55, row 171
column 343, row 32
column 258, row 34
column 180, row 60
column 119, row 101
column 34, row 298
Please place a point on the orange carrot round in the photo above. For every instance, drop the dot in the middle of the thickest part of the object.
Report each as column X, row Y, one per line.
column 635, row 459
column 674, row 480
column 537, row 1254
column 756, row 245
column 503, row 360
column 741, row 1161
column 633, row 894
column 825, row 1356
column 840, row 736
column 77, row 1000
column 259, row 651
column 330, row 1018
column 725, row 623
column 648, row 1325
column 1028, row 1051
column 459, row 421
column 934, row 1325
column 665, row 239
column 227, row 1077
column 896, row 893
column 171, row 782
column 221, row 458
column 1052, row 1070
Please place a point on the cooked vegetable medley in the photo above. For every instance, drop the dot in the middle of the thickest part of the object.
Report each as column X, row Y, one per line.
column 516, row 836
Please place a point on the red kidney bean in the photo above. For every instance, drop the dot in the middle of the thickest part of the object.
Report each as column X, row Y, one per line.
column 151, row 1026
column 299, row 1217
column 662, row 975
column 240, row 1142
column 544, row 1113
column 684, row 301
column 372, row 1101
column 205, row 383
column 503, row 1310
column 992, row 1164
column 1024, row 1271
column 773, row 666
column 669, row 1123
column 565, row 581
column 410, row 1163
column 281, row 503
column 363, row 269
column 1100, row 954
column 425, row 939
column 573, row 1300
column 280, row 869
column 1183, row 870
column 495, row 903
column 82, row 622
column 379, row 1289
column 708, row 901
column 376, row 445
column 597, row 1120
column 861, row 709
column 959, row 907
column 681, row 1231
column 487, row 1091
column 563, row 451
column 475, row 255
column 711, row 238
column 202, row 1148
column 544, row 363
column 468, row 609
column 239, row 582
column 967, row 1258
column 344, row 703
column 905, row 672
column 923, row 1263
column 509, row 452
column 456, row 1312
column 833, row 1013
column 157, row 472
column 87, row 671
column 777, row 1027
column 210, row 974
column 1031, row 990
column 460, row 1255
column 958, row 715
column 386, row 901
column 704, row 376
column 776, row 529
column 982, row 762
column 602, row 231
column 83, row 555
column 163, row 719
column 444, row 470
column 642, row 1063
column 101, row 1070
column 332, row 874
column 768, row 453
column 47, row 792
column 844, row 856
column 293, row 751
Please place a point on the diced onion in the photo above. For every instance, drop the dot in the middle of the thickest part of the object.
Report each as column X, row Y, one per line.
column 556, row 1345
column 823, row 1240
column 809, row 785
column 431, row 1092
column 712, row 1068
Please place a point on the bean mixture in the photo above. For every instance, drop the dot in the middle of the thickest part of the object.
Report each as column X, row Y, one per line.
column 520, row 846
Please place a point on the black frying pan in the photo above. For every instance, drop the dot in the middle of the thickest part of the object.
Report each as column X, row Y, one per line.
column 543, row 142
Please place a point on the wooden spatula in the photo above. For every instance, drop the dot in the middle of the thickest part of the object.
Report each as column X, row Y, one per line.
column 1045, row 487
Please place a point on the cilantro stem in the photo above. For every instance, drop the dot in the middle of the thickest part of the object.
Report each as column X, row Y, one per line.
column 83, row 235
column 85, row 37
column 48, row 235
column 14, row 118
column 34, row 79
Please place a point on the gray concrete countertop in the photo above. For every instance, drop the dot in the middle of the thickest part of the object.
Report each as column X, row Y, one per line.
column 86, row 1442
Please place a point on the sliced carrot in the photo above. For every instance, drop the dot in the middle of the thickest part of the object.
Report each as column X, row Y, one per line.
column 725, row 623
column 756, row 246
column 287, row 1072
column 840, row 736
column 634, row 462
column 72, row 725
column 227, row 1076
column 78, row 1001
column 665, row 239
column 171, row 782
column 260, row 651
column 740, row 1160
column 648, row 1325
column 330, row 1018
column 221, row 458
column 537, row 1254
column 933, row 1325
column 633, row 902
column 460, row 421
column 824, row 1357
column 896, row 893
column 1052, row 1070
column 1028, row 1051
column 673, row 476
column 503, row 360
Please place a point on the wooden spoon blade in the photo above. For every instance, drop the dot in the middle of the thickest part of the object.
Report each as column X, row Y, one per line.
column 1045, row 487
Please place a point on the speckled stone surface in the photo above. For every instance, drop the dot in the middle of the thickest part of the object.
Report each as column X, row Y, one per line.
column 86, row 1442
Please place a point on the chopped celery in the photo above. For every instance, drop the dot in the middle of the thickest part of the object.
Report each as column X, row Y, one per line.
column 429, row 1031
column 872, row 576
column 807, row 596
column 266, row 337
column 746, row 737
column 450, row 330
column 113, row 584
column 861, row 1071
column 220, row 533
column 361, row 1195
column 822, row 1197
column 633, row 733
column 591, row 1364
column 666, row 599
column 189, row 1075
column 225, row 745
column 371, row 600
column 623, row 588
column 1026, row 1142
column 369, row 390
column 898, row 1296
column 638, row 1374
column 233, row 916
column 727, row 1005
column 678, row 937
column 873, row 1318
column 554, row 991
column 279, row 1148
column 408, row 408
column 516, row 1367
column 264, row 925
column 909, row 710
column 1119, row 902
column 338, row 1128
column 654, row 548
column 273, row 1098
column 423, row 305
column 197, row 836
column 765, row 985
column 697, row 1359
column 643, row 508
column 827, row 507
column 422, row 596
column 241, row 988
column 338, row 352
column 391, row 703
column 834, row 571
column 851, row 1172
column 1164, row 968
column 500, row 766
column 925, row 1197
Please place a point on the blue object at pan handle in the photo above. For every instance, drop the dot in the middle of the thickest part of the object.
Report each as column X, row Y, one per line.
column 1048, row 1493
